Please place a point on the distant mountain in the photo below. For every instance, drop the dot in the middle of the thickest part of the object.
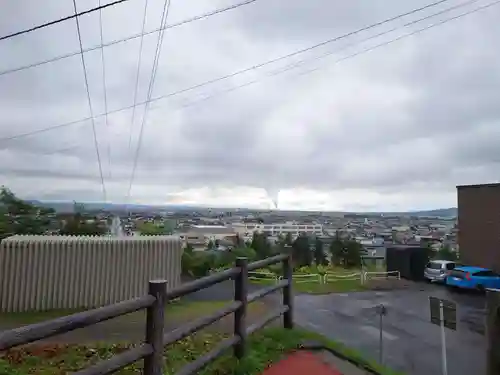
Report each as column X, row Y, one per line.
column 67, row 207
column 440, row 212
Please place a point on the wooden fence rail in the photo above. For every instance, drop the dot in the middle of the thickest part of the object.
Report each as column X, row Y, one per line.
column 156, row 339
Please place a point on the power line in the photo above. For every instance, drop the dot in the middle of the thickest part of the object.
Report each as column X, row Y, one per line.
column 181, row 91
column 54, row 22
column 135, row 36
column 154, row 70
column 103, row 62
column 96, row 144
column 366, row 50
column 341, row 59
column 137, row 74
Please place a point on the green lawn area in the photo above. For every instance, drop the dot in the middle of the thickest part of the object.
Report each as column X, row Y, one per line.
column 265, row 347
column 313, row 286
column 338, row 286
column 176, row 310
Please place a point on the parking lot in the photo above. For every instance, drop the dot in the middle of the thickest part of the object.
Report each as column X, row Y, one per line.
column 410, row 342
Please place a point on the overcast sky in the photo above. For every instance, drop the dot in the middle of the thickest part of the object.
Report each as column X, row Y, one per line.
column 396, row 128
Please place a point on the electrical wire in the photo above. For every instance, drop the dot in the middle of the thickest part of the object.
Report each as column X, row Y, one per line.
column 105, row 91
column 137, row 75
column 132, row 37
column 54, row 22
column 96, row 144
column 366, row 50
column 181, row 91
column 154, row 70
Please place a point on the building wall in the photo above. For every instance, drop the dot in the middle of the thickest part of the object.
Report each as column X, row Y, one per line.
column 64, row 272
column 479, row 225
column 279, row 228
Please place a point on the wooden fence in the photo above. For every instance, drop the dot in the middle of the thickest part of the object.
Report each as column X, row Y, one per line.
column 156, row 339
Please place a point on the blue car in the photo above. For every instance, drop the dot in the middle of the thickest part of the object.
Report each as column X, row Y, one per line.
column 476, row 278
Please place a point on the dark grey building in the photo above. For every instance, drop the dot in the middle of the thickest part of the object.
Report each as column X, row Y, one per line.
column 479, row 225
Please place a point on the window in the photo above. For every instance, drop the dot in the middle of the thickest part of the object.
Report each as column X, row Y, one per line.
column 487, row 273
column 450, row 266
column 458, row 274
column 434, row 265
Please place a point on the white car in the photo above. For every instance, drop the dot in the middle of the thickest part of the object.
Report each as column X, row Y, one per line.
column 437, row 270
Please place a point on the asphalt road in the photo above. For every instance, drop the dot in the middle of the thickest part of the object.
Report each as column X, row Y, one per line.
column 411, row 343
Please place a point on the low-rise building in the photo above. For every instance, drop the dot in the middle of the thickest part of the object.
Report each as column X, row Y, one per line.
column 199, row 236
column 277, row 229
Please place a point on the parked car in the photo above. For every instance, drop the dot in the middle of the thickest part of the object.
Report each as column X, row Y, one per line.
column 437, row 270
column 477, row 278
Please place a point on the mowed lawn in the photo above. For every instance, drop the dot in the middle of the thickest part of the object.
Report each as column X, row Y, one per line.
column 347, row 280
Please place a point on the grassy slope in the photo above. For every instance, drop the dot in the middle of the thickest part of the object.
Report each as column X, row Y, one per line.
column 175, row 311
column 265, row 347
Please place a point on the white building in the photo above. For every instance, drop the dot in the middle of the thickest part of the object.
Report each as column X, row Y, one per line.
column 246, row 230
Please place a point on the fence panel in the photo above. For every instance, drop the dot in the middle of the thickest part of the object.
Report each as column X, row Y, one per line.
column 308, row 278
column 332, row 277
column 382, row 275
column 65, row 272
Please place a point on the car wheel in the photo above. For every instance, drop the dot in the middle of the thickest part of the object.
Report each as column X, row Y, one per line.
column 480, row 288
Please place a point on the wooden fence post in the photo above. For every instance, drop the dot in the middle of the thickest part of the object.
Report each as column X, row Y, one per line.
column 155, row 320
column 288, row 292
column 240, row 294
column 493, row 332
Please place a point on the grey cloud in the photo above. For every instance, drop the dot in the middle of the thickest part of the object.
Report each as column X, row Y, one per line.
column 419, row 114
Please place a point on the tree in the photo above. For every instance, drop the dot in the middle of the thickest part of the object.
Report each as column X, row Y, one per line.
column 445, row 253
column 21, row 217
column 429, row 251
column 210, row 245
column 261, row 245
column 288, row 239
column 319, row 254
column 301, row 252
column 346, row 252
column 353, row 250
column 150, row 229
column 337, row 250
column 79, row 226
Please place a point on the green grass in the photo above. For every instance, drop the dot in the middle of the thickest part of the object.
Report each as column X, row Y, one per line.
column 315, row 287
column 264, row 347
column 177, row 310
column 338, row 286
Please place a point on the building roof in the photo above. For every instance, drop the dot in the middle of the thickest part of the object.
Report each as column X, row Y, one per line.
column 490, row 185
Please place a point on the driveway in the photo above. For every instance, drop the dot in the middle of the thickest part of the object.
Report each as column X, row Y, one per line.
column 411, row 343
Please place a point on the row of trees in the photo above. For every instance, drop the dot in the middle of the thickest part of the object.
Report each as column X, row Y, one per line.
column 305, row 250
column 21, row 217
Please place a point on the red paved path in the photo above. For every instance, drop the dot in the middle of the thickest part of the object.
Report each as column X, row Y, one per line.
column 301, row 363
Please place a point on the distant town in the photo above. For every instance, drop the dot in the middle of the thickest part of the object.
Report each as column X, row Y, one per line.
column 199, row 226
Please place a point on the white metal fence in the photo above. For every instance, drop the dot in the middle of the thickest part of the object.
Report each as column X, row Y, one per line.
column 328, row 277
column 332, row 277
column 263, row 276
column 379, row 275
column 59, row 272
